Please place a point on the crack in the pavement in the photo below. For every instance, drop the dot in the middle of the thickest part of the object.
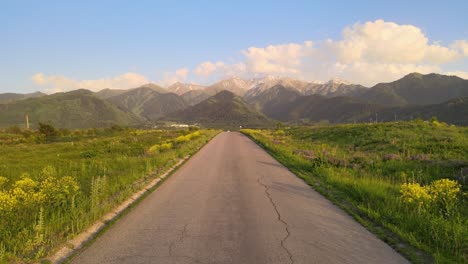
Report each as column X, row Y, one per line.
column 181, row 238
column 286, row 227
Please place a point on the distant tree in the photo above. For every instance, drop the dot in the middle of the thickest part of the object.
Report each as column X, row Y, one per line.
column 47, row 130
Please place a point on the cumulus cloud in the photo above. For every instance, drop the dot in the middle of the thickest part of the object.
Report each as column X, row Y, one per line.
column 462, row 46
column 366, row 53
column 279, row 59
column 372, row 73
column 179, row 75
column 388, row 42
column 58, row 83
column 207, row 68
column 219, row 69
column 461, row 74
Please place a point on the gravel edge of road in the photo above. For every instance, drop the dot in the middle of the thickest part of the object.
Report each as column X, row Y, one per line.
column 75, row 244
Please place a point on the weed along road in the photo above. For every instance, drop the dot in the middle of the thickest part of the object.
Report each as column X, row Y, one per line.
column 233, row 203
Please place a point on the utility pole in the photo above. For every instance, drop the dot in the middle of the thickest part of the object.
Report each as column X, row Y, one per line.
column 27, row 121
column 376, row 120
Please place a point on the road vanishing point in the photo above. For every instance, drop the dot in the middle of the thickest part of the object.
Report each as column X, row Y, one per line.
column 233, row 203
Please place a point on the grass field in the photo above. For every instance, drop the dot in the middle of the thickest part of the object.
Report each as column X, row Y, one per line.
column 407, row 181
column 53, row 187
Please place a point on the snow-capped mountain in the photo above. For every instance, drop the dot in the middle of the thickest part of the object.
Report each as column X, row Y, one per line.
column 181, row 88
column 261, row 85
column 235, row 85
column 334, row 87
column 250, row 88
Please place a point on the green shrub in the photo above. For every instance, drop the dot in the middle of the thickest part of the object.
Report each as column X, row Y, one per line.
column 47, row 130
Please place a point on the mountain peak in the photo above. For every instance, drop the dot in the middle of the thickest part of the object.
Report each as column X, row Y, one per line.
column 225, row 93
column 153, row 87
column 149, row 85
column 415, row 75
column 337, row 80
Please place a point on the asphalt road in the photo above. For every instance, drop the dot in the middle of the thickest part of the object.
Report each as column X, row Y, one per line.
column 233, row 203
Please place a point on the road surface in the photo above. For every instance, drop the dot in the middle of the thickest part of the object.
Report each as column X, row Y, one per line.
column 233, row 203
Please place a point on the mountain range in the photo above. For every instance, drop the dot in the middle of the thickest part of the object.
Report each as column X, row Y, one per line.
column 257, row 102
column 75, row 109
column 11, row 97
column 224, row 109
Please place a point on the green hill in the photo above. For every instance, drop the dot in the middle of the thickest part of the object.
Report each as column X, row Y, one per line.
column 195, row 97
column 11, row 97
column 76, row 109
column 417, row 89
column 287, row 104
column 273, row 101
column 148, row 103
column 225, row 110
column 454, row 111
column 108, row 93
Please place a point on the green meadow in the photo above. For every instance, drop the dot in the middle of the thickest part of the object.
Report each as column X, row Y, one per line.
column 56, row 183
column 407, row 182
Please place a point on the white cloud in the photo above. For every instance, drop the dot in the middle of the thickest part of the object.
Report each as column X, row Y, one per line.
column 279, row 59
column 207, row 68
column 58, row 83
column 179, row 75
column 366, row 53
column 372, row 73
column 219, row 69
column 461, row 74
column 462, row 46
column 388, row 42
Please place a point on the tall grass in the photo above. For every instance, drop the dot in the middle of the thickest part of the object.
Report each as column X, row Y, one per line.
column 50, row 192
column 364, row 168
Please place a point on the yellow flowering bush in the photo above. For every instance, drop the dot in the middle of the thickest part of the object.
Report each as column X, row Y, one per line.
column 182, row 139
column 415, row 195
column 166, row 146
column 441, row 195
column 279, row 132
column 27, row 194
column 153, row 149
column 444, row 194
column 7, row 203
column 188, row 137
column 196, row 134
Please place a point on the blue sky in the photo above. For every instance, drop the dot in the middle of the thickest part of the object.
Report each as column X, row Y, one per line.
column 67, row 42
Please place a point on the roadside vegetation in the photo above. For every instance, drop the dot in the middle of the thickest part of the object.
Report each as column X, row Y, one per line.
column 406, row 181
column 55, row 183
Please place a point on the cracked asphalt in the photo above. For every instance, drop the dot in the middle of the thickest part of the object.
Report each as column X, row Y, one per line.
column 233, row 203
